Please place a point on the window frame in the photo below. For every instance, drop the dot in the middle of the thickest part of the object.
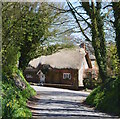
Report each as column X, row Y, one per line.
column 29, row 76
column 67, row 76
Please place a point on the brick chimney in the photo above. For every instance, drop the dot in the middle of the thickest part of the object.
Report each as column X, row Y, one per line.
column 82, row 45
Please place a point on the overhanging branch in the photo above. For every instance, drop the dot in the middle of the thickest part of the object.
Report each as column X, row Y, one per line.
column 73, row 13
column 80, row 15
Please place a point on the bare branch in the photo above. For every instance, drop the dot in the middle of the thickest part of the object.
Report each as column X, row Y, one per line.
column 65, row 31
column 80, row 31
column 60, row 23
column 107, row 6
column 73, row 13
column 80, row 15
column 56, row 8
column 106, row 14
column 63, row 10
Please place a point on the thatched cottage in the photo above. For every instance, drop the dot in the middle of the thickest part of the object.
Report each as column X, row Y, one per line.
column 65, row 67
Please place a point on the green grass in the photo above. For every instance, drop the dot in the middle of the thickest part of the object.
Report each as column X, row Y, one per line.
column 14, row 100
column 106, row 97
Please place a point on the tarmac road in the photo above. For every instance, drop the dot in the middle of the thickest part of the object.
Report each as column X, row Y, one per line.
column 56, row 103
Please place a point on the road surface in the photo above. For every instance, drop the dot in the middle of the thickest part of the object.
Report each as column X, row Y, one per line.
column 56, row 103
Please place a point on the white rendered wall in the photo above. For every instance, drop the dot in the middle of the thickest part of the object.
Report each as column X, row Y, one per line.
column 81, row 71
column 80, row 77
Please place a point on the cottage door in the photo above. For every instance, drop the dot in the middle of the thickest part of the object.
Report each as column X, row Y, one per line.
column 42, row 78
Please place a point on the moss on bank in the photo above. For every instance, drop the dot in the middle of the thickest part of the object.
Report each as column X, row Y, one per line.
column 106, row 97
column 14, row 99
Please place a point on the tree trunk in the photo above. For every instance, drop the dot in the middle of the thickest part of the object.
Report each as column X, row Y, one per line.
column 98, row 38
column 116, row 9
column 101, row 36
column 25, row 57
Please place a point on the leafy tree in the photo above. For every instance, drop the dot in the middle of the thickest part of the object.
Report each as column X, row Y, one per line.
column 25, row 27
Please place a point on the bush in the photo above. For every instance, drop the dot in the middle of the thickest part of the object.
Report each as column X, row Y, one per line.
column 14, row 100
column 91, row 78
column 106, row 97
column 90, row 83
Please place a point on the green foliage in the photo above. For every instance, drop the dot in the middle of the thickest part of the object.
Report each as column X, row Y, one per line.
column 112, row 60
column 106, row 97
column 10, row 59
column 14, row 100
column 90, row 83
column 25, row 28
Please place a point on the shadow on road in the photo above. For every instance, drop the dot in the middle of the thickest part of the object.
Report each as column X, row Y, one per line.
column 62, row 104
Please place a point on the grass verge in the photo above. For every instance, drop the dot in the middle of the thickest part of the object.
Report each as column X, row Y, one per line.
column 106, row 97
column 14, row 99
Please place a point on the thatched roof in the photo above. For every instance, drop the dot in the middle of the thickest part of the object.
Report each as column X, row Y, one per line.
column 66, row 58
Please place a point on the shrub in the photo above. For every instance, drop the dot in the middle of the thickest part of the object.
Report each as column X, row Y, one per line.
column 90, row 83
column 106, row 97
column 14, row 100
column 91, row 78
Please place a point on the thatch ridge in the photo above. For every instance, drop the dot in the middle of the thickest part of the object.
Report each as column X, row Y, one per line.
column 66, row 58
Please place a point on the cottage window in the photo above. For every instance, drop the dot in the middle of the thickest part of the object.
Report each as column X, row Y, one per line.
column 28, row 76
column 66, row 76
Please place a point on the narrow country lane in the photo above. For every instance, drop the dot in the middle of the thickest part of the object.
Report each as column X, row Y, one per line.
column 56, row 103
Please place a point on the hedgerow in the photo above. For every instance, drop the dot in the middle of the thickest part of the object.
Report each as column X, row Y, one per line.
column 106, row 97
column 14, row 99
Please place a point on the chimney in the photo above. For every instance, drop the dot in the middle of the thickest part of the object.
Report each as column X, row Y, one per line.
column 82, row 45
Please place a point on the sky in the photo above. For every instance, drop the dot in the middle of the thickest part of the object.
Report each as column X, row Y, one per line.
column 109, row 31
column 73, row 35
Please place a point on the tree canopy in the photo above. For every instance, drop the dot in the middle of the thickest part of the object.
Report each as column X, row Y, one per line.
column 25, row 26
